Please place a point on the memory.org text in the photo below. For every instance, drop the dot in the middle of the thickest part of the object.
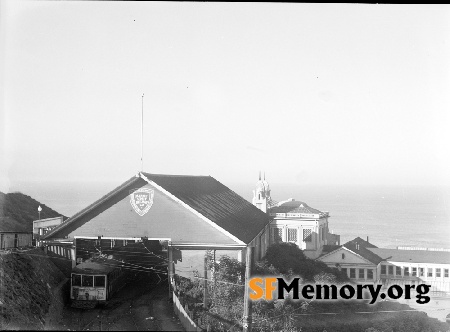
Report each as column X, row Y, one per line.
column 264, row 288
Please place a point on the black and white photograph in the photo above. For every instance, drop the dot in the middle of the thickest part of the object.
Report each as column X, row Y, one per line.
column 220, row 166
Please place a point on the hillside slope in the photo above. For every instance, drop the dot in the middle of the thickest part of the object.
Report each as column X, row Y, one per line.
column 24, row 209
column 26, row 283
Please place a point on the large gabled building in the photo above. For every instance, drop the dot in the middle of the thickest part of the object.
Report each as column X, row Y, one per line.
column 191, row 212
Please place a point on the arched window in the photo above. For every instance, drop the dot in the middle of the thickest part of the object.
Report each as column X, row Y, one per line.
column 343, row 256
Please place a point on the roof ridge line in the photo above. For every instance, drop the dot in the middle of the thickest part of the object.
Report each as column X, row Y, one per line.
column 175, row 175
column 176, row 199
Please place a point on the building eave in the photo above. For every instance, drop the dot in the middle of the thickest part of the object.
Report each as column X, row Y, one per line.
column 53, row 233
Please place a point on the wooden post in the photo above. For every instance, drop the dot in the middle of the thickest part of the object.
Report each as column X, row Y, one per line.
column 205, row 283
column 205, row 292
column 73, row 254
column 247, row 324
column 213, row 276
column 170, row 268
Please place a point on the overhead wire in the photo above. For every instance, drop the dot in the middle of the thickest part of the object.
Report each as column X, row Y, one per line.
column 154, row 253
column 131, row 266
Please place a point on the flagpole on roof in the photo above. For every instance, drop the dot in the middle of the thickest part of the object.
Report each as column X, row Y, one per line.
column 142, row 135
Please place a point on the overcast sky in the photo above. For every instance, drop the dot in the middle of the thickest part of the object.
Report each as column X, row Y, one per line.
column 310, row 93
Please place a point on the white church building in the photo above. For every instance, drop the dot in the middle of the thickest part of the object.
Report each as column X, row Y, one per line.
column 294, row 221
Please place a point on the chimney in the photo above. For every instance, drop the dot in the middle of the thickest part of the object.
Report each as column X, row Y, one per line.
column 367, row 238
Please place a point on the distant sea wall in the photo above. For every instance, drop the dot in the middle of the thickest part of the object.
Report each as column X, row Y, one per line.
column 423, row 248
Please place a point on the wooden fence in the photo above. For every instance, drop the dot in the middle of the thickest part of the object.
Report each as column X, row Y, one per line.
column 185, row 315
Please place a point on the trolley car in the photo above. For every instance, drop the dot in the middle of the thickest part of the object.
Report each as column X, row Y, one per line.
column 94, row 282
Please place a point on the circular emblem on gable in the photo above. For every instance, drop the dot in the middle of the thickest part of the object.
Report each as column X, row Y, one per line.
column 142, row 200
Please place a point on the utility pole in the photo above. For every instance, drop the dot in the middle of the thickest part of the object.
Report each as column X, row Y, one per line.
column 205, row 292
column 170, row 268
column 142, row 135
column 247, row 325
column 205, row 283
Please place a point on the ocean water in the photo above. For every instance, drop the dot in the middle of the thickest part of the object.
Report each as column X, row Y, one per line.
column 389, row 215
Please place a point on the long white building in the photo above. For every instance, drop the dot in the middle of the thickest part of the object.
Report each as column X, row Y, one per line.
column 363, row 262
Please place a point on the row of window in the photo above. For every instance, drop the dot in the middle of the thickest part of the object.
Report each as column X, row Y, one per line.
column 292, row 235
column 88, row 281
column 415, row 272
column 44, row 230
column 360, row 274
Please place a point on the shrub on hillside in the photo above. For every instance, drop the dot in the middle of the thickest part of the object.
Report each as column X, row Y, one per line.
column 289, row 260
column 226, row 300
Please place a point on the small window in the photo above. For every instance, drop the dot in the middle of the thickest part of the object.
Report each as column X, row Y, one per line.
column 438, row 273
column 87, row 281
column 370, row 274
column 414, row 272
column 307, row 235
column 430, row 273
column 445, row 273
column 76, row 280
column 398, row 270
column 421, row 272
column 406, row 271
column 277, row 235
column 390, row 270
column 352, row 273
column 344, row 270
column 343, row 256
column 361, row 273
column 292, row 235
column 383, row 269
column 99, row 281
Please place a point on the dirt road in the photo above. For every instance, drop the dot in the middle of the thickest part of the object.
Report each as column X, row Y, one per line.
column 141, row 305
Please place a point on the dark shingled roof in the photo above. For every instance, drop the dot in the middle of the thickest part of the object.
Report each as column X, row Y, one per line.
column 362, row 242
column 413, row 256
column 294, row 207
column 10, row 225
column 204, row 194
column 362, row 248
column 216, row 202
column 327, row 248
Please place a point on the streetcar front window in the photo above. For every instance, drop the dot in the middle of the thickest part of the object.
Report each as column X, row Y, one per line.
column 87, row 281
column 99, row 281
column 76, row 280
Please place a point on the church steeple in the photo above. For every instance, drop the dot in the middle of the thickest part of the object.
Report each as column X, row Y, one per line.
column 261, row 195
